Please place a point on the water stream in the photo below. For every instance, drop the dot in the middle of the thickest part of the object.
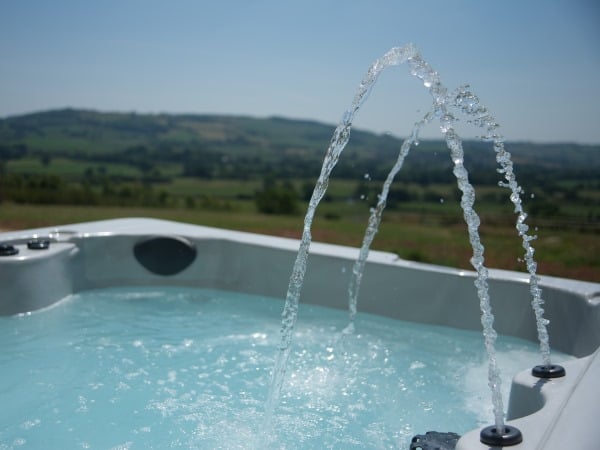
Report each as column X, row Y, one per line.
column 375, row 220
column 470, row 105
column 444, row 103
column 340, row 138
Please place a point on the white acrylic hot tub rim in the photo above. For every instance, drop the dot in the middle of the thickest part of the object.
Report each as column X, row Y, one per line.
column 569, row 406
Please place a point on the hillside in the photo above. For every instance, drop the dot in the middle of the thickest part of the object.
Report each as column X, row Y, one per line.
column 230, row 146
column 160, row 147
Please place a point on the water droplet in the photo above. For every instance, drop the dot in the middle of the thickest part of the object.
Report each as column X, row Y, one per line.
column 442, row 200
column 367, row 176
column 446, row 122
column 532, row 195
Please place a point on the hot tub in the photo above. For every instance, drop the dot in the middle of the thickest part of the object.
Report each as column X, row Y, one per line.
column 551, row 414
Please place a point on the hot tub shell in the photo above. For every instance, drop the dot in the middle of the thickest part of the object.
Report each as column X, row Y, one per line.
column 552, row 414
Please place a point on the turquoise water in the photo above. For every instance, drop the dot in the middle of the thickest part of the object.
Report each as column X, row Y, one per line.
column 141, row 368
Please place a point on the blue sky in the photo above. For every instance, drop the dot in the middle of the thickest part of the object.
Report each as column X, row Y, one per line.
column 535, row 64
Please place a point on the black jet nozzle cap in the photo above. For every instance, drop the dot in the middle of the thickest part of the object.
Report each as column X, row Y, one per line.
column 494, row 437
column 38, row 244
column 8, row 250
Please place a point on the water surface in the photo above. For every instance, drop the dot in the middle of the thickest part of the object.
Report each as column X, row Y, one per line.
column 160, row 368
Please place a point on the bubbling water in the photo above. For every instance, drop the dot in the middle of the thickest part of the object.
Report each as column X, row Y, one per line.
column 465, row 102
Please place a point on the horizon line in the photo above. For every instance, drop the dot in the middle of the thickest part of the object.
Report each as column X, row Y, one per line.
column 277, row 116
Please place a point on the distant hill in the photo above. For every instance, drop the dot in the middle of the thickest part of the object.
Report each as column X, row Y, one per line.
column 234, row 146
